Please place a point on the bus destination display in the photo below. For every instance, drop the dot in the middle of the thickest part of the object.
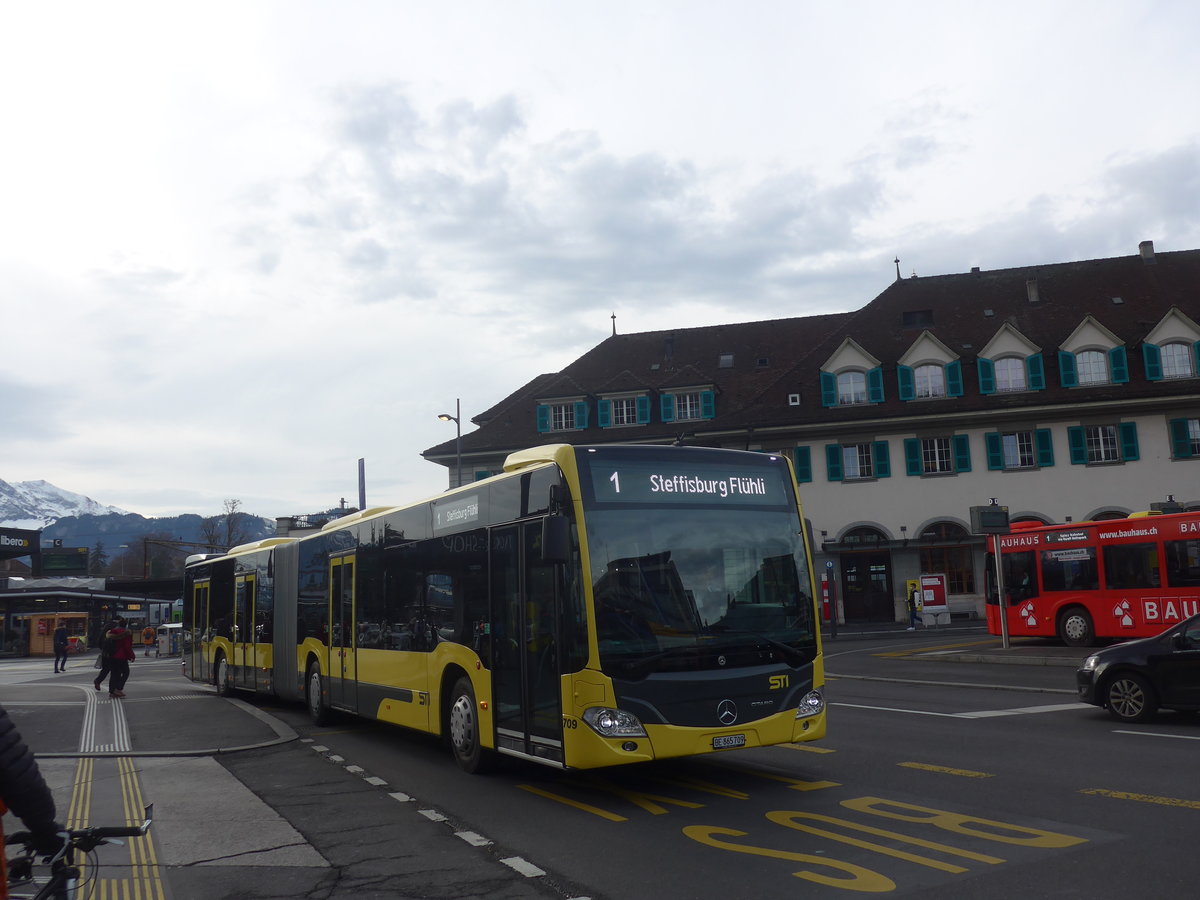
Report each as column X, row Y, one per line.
column 644, row 481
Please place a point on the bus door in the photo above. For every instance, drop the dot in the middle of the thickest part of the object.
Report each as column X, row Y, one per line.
column 525, row 673
column 343, row 677
column 243, row 631
column 200, row 634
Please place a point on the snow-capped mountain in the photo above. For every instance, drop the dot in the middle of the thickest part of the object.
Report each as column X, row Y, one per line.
column 36, row 504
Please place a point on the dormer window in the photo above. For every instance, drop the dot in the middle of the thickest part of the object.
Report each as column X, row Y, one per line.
column 930, row 381
column 1091, row 367
column 1177, row 360
column 623, row 410
column 1010, row 374
column 687, row 405
column 852, row 388
column 562, row 415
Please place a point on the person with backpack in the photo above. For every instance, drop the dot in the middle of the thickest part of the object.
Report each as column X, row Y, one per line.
column 116, row 652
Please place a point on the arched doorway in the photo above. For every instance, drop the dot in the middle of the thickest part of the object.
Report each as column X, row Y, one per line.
column 866, row 567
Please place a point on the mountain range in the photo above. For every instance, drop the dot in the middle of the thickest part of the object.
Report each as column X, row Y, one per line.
column 79, row 521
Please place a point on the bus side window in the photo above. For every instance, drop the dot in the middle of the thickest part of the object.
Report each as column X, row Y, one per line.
column 1020, row 577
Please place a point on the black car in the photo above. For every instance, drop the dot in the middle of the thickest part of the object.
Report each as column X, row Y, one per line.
column 1132, row 680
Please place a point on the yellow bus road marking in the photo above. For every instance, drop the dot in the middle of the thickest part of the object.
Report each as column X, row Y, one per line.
column 567, row 801
column 698, row 784
column 808, row 748
column 945, row 770
column 651, row 803
column 1143, row 798
column 935, row 648
column 796, row 784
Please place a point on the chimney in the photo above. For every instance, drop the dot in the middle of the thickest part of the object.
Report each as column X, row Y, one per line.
column 1031, row 289
column 1146, row 248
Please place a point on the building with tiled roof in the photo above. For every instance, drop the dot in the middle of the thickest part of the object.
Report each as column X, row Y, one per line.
column 1066, row 391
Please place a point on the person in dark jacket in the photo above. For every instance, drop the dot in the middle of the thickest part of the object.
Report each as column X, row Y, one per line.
column 119, row 642
column 24, row 793
column 62, row 640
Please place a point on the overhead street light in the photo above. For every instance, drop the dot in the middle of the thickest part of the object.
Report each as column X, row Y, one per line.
column 457, row 420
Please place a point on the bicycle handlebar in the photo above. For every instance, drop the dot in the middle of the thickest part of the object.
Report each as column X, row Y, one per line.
column 93, row 836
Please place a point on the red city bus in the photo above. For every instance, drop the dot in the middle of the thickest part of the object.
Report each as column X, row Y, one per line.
column 1118, row 578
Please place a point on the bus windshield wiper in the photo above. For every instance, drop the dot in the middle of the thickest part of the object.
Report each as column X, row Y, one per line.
column 642, row 665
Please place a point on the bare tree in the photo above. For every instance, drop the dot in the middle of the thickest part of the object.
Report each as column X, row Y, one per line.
column 228, row 529
column 97, row 559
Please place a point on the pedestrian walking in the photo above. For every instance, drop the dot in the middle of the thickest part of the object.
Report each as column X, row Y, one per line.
column 914, row 604
column 62, row 641
column 116, row 653
column 23, row 791
column 149, row 638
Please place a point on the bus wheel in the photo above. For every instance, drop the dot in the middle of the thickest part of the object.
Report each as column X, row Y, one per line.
column 1130, row 698
column 318, row 710
column 463, row 717
column 1075, row 627
column 224, row 677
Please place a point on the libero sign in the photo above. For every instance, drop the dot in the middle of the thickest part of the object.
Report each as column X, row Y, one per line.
column 18, row 542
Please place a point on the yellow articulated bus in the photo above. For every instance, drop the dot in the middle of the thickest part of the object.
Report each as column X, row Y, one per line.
column 590, row 606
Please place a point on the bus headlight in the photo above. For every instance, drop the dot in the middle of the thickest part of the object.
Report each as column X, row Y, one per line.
column 811, row 704
column 613, row 723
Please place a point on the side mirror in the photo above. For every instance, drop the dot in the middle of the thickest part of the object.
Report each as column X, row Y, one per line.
column 556, row 539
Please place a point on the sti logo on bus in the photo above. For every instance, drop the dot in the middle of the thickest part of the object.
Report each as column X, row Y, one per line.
column 778, row 682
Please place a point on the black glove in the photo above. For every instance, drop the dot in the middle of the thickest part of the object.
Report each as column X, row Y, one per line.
column 49, row 841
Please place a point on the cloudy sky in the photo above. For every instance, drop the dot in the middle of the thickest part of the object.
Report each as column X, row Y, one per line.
column 244, row 244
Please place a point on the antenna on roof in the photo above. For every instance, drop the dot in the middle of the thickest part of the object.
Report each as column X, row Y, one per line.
column 897, row 262
column 614, row 318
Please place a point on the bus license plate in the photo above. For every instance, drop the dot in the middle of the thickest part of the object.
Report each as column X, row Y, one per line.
column 726, row 741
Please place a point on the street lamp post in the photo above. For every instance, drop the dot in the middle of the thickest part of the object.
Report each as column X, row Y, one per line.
column 457, row 420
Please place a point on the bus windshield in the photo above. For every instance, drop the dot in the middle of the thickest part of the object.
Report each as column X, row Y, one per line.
column 696, row 583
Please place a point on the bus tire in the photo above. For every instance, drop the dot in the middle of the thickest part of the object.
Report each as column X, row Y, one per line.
column 314, row 696
column 462, row 719
column 223, row 676
column 1075, row 627
column 1130, row 698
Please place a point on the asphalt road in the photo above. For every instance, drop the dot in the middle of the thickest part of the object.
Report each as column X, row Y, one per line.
column 949, row 771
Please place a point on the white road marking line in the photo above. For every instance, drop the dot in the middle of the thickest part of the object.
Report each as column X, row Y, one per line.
column 1181, row 737
column 980, row 714
column 528, row 869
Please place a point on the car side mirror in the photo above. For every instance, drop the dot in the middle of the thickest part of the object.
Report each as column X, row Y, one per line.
column 1180, row 641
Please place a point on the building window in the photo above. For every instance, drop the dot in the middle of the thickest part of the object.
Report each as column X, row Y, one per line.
column 686, row 405
column 853, row 462
column 852, row 388
column 1010, row 450
column 953, row 561
column 1010, row 374
column 1177, row 360
column 856, row 461
column 937, row 455
column 1185, row 438
column 929, row 382
column 1091, row 367
column 1099, row 444
column 624, row 411
column 562, row 416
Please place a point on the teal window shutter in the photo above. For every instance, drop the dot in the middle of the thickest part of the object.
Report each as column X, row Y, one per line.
column 1129, row 441
column 912, row 456
column 1181, row 441
column 833, row 461
column 881, row 457
column 708, row 405
column 1066, row 369
column 1196, row 355
column 1035, row 372
column 604, row 413
column 1044, row 443
column 962, row 453
column 1152, row 359
column 904, row 374
column 993, row 443
column 666, row 407
column 1118, row 365
column 643, row 410
column 802, row 460
column 1077, row 444
column 987, row 375
column 875, row 384
column 829, row 393
column 543, row 418
column 954, row 384
column 581, row 415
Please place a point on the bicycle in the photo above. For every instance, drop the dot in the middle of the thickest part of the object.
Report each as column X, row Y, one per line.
column 62, row 880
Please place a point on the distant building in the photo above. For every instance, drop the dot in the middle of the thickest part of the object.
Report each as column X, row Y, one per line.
column 1067, row 391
